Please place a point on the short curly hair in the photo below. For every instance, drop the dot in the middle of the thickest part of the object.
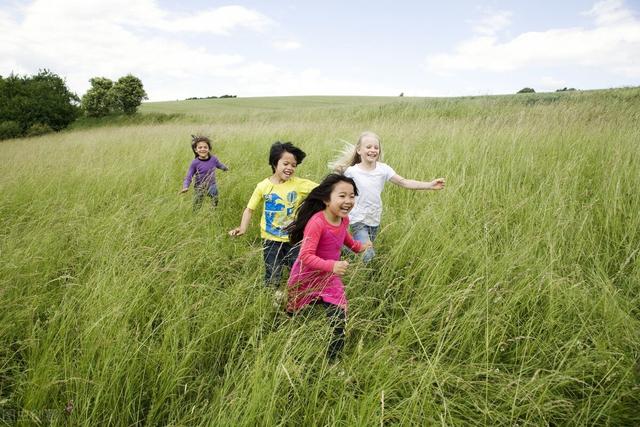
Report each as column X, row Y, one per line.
column 199, row 138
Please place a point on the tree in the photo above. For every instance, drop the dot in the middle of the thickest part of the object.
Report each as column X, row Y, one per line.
column 97, row 101
column 127, row 94
column 526, row 90
column 105, row 96
column 40, row 102
column 52, row 104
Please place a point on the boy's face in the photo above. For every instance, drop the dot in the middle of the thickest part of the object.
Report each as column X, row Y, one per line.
column 286, row 166
column 202, row 150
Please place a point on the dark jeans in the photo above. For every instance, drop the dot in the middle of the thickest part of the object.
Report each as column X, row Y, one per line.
column 200, row 192
column 338, row 321
column 277, row 255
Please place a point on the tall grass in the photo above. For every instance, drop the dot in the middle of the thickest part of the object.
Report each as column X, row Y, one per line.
column 510, row 298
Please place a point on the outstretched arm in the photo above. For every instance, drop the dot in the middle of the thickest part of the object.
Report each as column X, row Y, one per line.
column 411, row 184
column 244, row 223
column 221, row 165
column 187, row 180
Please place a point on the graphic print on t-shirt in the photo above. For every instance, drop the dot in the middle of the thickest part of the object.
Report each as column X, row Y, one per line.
column 278, row 213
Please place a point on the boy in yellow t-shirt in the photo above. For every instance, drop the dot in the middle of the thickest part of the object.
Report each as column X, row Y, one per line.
column 280, row 195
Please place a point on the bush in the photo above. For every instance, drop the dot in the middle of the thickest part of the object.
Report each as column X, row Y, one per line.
column 96, row 102
column 38, row 129
column 40, row 99
column 127, row 94
column 526, row 90
column 10, row 129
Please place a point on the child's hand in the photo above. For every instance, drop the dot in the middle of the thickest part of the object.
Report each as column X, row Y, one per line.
column 236, row 232
column 184, row 190
column 366, row 245
column 340, row 267
column 437, row 184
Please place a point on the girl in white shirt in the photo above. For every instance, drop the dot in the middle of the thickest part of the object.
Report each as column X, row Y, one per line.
column 362, row 164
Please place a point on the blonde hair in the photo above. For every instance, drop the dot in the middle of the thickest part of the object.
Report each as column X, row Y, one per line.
column 349, row 156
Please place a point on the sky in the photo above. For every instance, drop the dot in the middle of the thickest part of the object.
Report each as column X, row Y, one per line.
column 198, row 48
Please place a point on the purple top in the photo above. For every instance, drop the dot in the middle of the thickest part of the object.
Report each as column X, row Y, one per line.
column 204, row 171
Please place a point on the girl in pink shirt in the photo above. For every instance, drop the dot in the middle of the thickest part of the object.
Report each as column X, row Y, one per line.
column 321, row 225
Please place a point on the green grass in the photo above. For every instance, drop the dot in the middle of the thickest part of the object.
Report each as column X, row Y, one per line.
column 510, row 298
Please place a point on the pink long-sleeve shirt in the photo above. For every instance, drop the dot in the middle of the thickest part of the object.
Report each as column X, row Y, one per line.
column 312, row 274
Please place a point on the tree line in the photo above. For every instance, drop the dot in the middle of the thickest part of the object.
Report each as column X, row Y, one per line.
column 42, row 103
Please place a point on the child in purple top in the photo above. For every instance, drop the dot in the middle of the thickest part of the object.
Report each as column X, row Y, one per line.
column 203, row 168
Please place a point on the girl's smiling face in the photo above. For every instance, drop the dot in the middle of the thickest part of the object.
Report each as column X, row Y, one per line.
column 286, row 167
column 202, row 150
column 341, row 201
column 369, row 149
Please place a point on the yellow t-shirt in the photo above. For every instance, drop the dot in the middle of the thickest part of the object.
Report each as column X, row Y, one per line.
column 279, row 203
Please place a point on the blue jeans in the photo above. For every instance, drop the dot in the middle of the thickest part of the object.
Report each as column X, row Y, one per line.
column 364, row 233
column 200, row 192
column 277, row 255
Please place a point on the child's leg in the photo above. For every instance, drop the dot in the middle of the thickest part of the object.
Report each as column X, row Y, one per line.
column 337, row 320
column 364, row 233
column 198, row 195
column 373, row 231
column 213, row 192
column 292, row 252
column 274, row 255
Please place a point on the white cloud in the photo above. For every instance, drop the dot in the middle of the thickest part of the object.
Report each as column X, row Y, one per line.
column 610, row 12
column 79, row 40
column 492, row 23
column 613, row 44
column 142, row 14
column 286, row 45
column 217, row 21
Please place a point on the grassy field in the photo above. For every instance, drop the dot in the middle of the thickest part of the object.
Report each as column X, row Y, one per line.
column 510, row 298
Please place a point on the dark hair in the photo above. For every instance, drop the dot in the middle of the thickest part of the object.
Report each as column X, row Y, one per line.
column 315, row 202
column 199, row 138
column 278, row 148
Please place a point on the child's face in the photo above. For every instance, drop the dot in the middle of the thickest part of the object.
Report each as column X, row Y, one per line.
column 286, row 166
column 369, row 149
column 341, row 200
column 202, row 150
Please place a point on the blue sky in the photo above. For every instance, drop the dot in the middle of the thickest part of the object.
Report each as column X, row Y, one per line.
column 274, row 48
